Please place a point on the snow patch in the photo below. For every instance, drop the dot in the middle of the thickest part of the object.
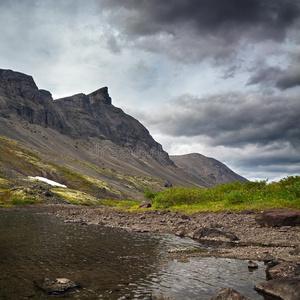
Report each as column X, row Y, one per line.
column 51, row 182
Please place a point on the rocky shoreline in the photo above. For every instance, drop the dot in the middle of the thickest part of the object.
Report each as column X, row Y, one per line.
column 245, row 235
column 239, row 234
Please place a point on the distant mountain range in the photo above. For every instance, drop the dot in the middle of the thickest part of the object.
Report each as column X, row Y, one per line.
column 85, row 142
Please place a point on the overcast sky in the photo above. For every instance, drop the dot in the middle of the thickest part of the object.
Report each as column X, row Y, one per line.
column 221, row 78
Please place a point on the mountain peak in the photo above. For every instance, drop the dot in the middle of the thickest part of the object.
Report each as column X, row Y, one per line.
column 16, row 82
column 100, row 95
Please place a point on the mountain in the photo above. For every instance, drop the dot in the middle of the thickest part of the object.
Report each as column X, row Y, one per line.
column 82, row 141
column 207, row 169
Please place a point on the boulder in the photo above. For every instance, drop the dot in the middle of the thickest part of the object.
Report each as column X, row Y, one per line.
column 268, row 258
column 282, row 288
column 282, row 270
column 252, row 265
column 56, row 286
column 278, row 218
column 228, row 294
column 144, row 204
column 212, row 233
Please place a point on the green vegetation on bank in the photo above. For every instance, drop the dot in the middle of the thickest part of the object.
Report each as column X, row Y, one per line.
column 232, row 196
column 124, row 205
column 75, row 197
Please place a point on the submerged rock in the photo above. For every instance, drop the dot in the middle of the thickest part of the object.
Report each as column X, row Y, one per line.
column 57, row 286
column 228, row 294
column 282, row 288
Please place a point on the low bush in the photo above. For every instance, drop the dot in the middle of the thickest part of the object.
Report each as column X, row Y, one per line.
column 235, row 196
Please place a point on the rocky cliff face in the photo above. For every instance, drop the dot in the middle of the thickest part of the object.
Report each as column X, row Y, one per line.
column 93, row 115
column 20, row 97
column 80, row 116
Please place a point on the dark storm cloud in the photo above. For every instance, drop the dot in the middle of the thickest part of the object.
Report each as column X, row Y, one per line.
column 233, row 120
column 289, row 79
column 265, row 75
column 197, row 29
column 277, row 77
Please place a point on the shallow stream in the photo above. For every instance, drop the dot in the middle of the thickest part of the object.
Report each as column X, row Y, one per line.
column 108, row 263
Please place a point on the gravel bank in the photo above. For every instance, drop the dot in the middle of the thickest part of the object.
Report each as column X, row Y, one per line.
column 253, row 242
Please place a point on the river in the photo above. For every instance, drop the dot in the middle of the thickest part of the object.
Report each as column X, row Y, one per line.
column 108, row 263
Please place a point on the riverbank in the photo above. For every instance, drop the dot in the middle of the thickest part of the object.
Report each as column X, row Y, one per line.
column 236, row 235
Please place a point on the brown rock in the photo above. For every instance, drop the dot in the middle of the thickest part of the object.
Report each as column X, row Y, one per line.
column 56, row 286
column 144, row 204
column 268, row 258
column 252, row 265
column 214, row 233
column 281, row 270
column 282, row 288
column 228, row 294
column 278, row 218
column 180, row 233
column 160, row 297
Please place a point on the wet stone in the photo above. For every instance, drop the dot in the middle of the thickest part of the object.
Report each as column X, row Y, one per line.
column 268, row 257
column 56, row 286
column 228, row 294
column 252, row 265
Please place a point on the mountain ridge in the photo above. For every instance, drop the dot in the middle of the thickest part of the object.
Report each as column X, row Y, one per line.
column 84, row 135
column 208, row 169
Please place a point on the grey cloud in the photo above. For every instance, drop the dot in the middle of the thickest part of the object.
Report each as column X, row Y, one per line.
column 277, row 77
column 233, row 120
column 193, row 30
column 289, row 79
column 265, row 75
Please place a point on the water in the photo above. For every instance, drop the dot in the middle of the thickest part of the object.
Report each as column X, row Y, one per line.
column 108, row 263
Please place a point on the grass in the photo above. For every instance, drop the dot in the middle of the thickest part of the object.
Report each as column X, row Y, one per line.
column 232, row 196
column 18, row 196
column 76, row 197
column 128, row 205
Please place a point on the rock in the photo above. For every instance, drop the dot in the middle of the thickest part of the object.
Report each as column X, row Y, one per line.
column 282, row 270
column 144, row 204
column 268, row 258
column 159, row 297
column 252, row 265
column 180, row 233
column 295, row 251
column 185, row 217
column 228, row 294
column 214, row 233
column 278, row 218
column 282, row 288
column 57, row 286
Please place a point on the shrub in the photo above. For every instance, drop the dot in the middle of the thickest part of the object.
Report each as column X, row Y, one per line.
column 235, row 197
column 148, row 194
column 255, row 185
column 295, row 189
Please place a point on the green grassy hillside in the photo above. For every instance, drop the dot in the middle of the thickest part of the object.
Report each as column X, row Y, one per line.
column 17, row 162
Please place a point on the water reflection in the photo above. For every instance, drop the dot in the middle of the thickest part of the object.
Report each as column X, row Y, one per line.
column 107, row 263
